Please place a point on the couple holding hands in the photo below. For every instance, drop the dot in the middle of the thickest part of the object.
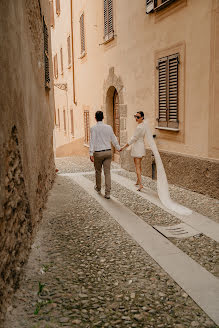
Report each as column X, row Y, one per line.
column 101, row 137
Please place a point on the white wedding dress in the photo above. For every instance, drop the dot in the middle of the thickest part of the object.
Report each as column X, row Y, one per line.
column 162, row 184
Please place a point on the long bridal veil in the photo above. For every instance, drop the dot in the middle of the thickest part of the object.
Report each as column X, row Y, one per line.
column 162, row 184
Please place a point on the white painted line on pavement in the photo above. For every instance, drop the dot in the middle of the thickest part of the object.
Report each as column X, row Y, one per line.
column 197, row 282
column 197, row 221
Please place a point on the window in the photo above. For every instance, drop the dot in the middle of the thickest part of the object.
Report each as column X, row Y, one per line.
column 58, row 7
column 86, row 127
column 58, row 118
column 108, row 20
column 55, row 117
column 55, row 61
column 69, row 50
column 61, row 59
column 72, row 122
column 156, row 5
column 82, row 35
column 46, row 54
column 64, row 120
column 168, row 92
column 52, row 22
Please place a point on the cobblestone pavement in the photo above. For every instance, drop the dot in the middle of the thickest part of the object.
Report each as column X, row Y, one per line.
column 84, row 270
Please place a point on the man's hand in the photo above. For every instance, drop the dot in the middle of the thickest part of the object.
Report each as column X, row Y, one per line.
column 92, row 158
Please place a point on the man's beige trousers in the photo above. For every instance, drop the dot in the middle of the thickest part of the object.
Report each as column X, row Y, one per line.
column 103, row 158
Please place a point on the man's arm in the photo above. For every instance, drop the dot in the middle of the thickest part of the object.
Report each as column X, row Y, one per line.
column 91, row 150
column 114, row 140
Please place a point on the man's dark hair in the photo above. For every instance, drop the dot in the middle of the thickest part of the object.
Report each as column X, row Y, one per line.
column 99, row 115
column 141, row 113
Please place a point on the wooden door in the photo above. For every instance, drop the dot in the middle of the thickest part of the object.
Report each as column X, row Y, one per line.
column 116, row 124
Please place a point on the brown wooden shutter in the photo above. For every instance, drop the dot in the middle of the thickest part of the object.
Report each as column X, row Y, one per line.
column 168, row 91
column 162, row 91
column 82, row 34
column 64, row 120
column 69, row 50
column 72, row 122
column 55, row 117
column 61, row 59
column 58, row 7
column 173, row 91
column 86, row 127
column 52, row 21
column 108, row 20
column 46, row 54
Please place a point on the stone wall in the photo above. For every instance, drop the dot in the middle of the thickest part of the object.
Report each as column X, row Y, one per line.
column 196, row 174
column 26, row 128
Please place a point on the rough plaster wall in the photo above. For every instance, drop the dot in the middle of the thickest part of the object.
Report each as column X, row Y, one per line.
column 26, row 128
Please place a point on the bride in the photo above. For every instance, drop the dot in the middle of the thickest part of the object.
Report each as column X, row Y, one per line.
column 138, row 151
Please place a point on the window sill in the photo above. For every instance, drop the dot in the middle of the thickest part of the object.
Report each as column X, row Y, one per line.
column 167, row 129
column 108, row 38
column 69, row 66
column 82, row 55
column 163, row 5
column 86, row 145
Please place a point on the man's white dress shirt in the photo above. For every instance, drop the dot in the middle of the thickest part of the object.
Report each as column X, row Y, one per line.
column 101, row 137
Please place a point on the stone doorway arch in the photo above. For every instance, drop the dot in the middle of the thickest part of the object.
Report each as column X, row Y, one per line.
column 115, row 111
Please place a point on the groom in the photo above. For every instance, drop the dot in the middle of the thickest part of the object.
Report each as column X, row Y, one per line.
column 101, row 137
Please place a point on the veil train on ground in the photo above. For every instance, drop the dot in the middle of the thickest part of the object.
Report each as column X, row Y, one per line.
column 162, row 184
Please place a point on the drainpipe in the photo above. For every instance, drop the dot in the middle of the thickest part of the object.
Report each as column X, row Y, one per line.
column 72, row 46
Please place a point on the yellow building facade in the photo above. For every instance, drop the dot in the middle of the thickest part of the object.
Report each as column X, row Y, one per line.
column 160, row 57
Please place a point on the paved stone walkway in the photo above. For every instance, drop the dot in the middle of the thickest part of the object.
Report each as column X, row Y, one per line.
column 84, row 270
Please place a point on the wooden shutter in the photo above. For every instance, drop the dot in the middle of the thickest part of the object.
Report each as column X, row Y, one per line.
column 108, row 20
column 64, row 120
column 46, row 54
column 52, row 21
column 82, row 34
column 86, row 127
column 72, row 122
column 162, row 90
column 58, row 7
column 69, row 50
column 55, row 66
column 173, row 62
column 149, row 6
column 61, row 59
column 168, row 91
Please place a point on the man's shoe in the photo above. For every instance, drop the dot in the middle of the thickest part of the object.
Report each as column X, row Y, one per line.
column 97, row 190
column 107, row 196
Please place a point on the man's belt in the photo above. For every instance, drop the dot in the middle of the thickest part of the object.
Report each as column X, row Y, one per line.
column 98, row 151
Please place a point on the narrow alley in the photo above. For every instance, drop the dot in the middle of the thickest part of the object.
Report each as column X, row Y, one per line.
column 92, row 267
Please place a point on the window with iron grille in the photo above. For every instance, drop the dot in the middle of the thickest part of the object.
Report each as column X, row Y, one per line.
column 156, row 5
column 61, row 60
column 69, row 50
column 82, row 35
column 55, row 62
column 108, row 20
column 64, row 120
column 52, row 21
column 58, row 7
column 86, row 127
column 72, row 122
column 46, row 54
column 168, row 91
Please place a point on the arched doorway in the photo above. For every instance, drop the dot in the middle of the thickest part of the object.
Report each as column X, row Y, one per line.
column 113, row 116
